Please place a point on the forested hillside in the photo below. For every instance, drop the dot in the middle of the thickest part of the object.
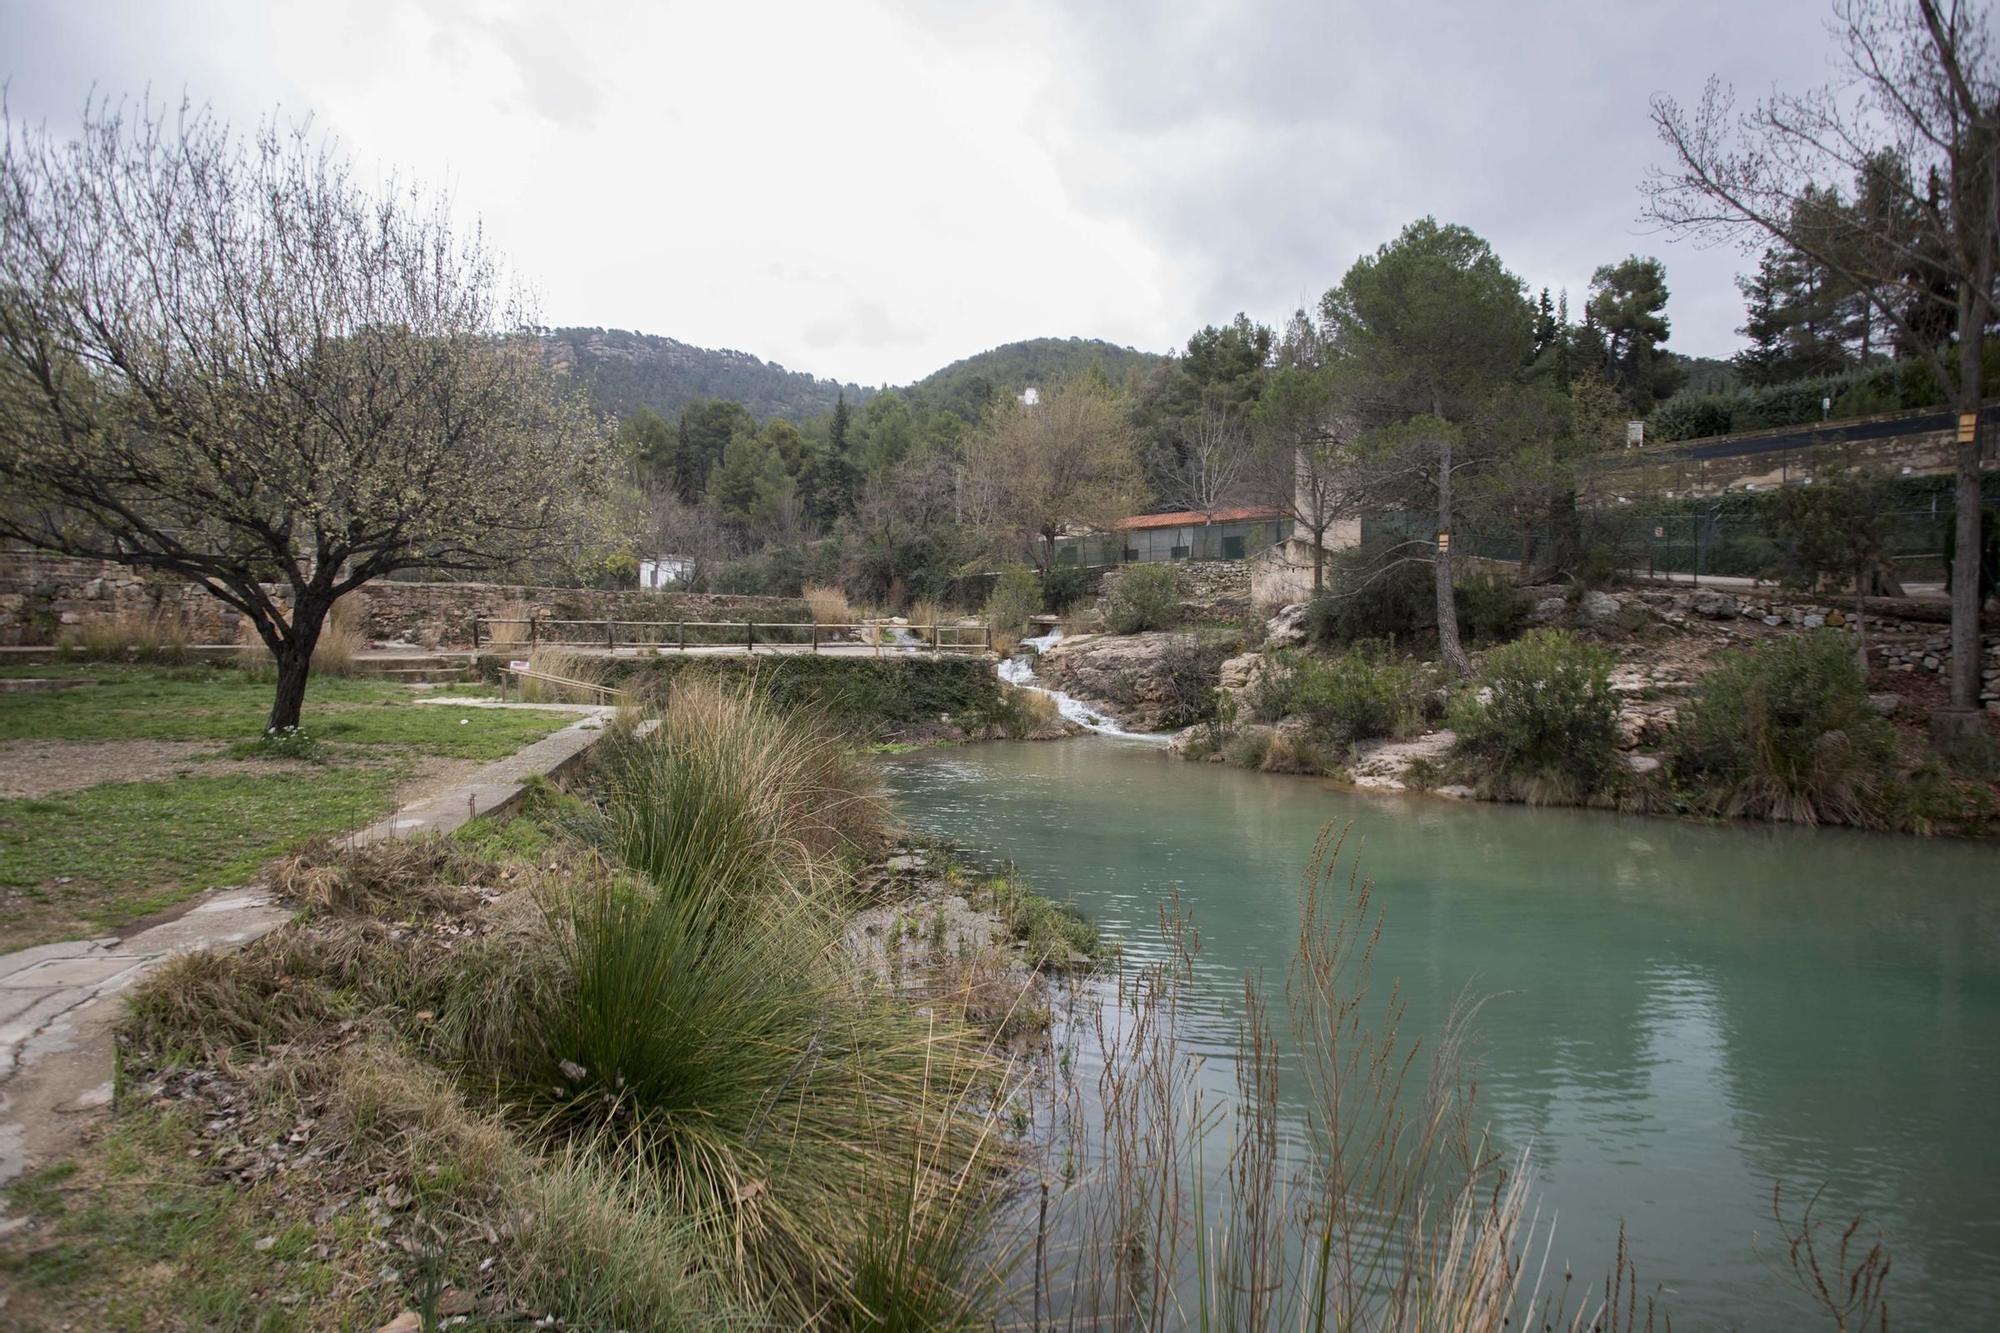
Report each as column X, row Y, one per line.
column 964, row 387
column 627, row 371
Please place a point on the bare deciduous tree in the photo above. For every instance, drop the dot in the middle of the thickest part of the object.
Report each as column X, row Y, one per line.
column 1304, row 458
column 1915, row 121
column 1036, row 470
column 223, row 358
column 1211, row 468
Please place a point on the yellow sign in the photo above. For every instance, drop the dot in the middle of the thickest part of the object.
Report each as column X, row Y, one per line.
column 1968, row 427
column 1444, row 541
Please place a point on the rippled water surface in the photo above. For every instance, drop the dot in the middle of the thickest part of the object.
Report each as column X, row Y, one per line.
column 1679, row 1014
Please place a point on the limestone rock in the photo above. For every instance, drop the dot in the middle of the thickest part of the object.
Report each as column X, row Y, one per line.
column 1599, row 609
column 1123, row 675
column 1286, row 629
column 1237, row 672
column 1380, row 766
column 1886, row 705
column 1713, row 605
column 1641, row 764
column 1548, row 611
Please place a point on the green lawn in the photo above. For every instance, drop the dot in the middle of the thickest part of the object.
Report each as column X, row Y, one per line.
column 84, row 862
column 217, row 703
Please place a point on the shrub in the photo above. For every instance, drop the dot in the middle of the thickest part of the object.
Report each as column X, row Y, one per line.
column 1348, row 698
column 1063, row 587
column 1020, row 713
column 1490, row 607
column 1786, row 733
column 1372, row 595
column 1247, row 748
column 1016, row 596
column 1191, row 668
column 1548, row 730
column 1145, row 597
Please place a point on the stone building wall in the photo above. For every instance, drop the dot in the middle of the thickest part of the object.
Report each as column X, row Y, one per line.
column 44, row 599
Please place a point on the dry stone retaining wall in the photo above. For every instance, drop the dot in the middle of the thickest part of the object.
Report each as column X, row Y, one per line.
column 44, row 599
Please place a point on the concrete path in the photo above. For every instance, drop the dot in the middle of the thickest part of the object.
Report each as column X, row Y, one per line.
column 59, row 1002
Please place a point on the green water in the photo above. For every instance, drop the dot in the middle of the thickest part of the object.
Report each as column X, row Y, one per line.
column 1680, row 1014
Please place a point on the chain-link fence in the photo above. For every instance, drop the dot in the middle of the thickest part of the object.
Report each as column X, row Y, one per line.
column 1719, row 541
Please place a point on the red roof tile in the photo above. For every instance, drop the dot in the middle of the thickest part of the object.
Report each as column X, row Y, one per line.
column 1194, row 518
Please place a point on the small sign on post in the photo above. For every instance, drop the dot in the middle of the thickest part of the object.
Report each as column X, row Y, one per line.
column 1444, row 541
column 1968, row 427
column 1659, row 532
column 1635, row 434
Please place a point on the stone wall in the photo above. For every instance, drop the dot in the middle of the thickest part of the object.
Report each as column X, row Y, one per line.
column 1210, row 589
column 44, row 599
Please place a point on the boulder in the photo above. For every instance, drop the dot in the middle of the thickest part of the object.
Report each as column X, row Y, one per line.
column 1286, row 629
column 1713, row 605
column 1641, row 764
column 1886, row 705
column 1599, row 610
column 1237, row 672
column 1548, row 611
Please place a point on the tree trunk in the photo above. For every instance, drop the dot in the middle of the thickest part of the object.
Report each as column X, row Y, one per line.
column 1319, row 560
column 1447, row 609
column 1861, row 577
column 1959, row 726
column 294, row 657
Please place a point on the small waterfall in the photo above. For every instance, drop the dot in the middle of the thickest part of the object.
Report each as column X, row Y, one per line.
column 1020, row 671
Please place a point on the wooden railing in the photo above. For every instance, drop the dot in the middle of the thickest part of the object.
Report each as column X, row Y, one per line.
column 674, row 635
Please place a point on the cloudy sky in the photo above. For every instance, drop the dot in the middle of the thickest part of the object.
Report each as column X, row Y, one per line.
column 870, row 190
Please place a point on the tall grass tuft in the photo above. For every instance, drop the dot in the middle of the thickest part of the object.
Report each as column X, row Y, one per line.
column 828, row 605
column 155, row 636
column 508, row 626
column 727, row 783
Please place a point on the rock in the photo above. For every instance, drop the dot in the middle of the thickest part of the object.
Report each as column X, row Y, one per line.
column 1835, row 620
column 903, row 863
column 1286, row 629
column 1121, row 675
column 1380, row 765
column 1886, row 705
column 1774, row 621
column 407, row 1322
column 1932, row 663
column 1713, row 605
column 1548, row 611
column 1813, row 622
column 1457, row 791
column 1236, row 673
column 1641, row 764
column 1599, row 609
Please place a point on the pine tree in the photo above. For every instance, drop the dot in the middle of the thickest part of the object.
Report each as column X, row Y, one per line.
column 1762, row 362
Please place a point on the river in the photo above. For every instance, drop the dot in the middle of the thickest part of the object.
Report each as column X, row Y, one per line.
column 1680, row 1014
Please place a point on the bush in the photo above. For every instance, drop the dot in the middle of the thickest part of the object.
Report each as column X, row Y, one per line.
column 1145, row 597
column 1063, row 588
column 1490, row 608
column 1370, row 595
column 1016, row 596
column 1548, row 732
column 1191, row 669
column 1786, row 733
column 1349, row 698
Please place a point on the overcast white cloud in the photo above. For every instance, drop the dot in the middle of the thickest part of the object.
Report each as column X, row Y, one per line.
column 871, row 190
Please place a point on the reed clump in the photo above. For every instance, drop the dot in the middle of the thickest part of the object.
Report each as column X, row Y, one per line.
column 155, row 636
column 828, row 605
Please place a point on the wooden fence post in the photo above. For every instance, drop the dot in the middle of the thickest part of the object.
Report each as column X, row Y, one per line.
column 475, row 634
column 610, row 636
column 533, row 630
column 750, row 637
column 815, row 633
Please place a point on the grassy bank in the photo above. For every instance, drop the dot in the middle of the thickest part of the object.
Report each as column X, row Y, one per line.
column 602, row 1062
column 149, row 786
